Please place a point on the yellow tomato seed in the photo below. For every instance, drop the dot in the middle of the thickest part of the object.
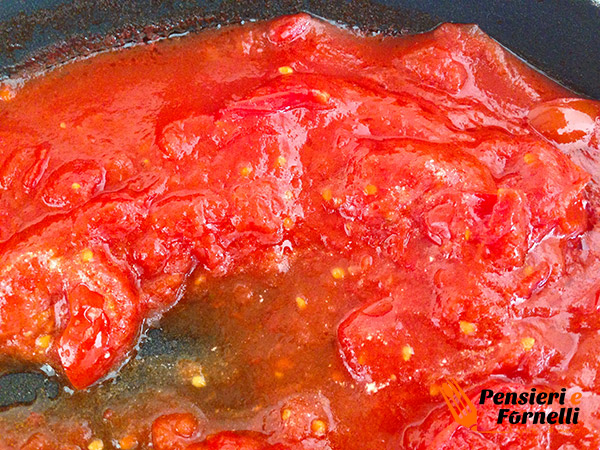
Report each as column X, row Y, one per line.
column 407, row 352
column 286, row 70
column 87, row 255
column 322, row 96
column 318, row 427
column 43, row 341
column 301, row 303
column 96, row 444
column 198, row 381
column 286, row 414
column 128, row 442
column 528, row 343
column 467, row 328
column 370, row 189
column 338, row 273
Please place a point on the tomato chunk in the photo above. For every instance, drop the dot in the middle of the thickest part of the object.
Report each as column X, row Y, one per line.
column 236, row 441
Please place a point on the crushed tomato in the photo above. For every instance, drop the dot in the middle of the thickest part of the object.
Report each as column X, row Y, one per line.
column 358, row 218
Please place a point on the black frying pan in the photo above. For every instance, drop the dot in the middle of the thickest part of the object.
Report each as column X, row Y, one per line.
column 560, row 37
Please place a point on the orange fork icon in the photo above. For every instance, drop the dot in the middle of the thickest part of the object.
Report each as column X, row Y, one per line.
column 461, row 407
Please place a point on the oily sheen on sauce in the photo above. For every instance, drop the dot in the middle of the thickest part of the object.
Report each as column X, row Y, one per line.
column 350, row 219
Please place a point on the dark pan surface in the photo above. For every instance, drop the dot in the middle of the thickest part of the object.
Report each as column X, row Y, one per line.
column 560, row 37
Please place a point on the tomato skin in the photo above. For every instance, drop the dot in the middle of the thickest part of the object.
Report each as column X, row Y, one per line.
column 229, row 440
column 73, row 184
column 179, row 138
column 104, row 319
column 566, row 121
column 290, row 28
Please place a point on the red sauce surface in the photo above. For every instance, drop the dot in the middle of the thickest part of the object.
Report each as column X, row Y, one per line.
column 354, row 219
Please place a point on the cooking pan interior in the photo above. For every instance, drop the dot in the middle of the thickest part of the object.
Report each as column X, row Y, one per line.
column 559, row 37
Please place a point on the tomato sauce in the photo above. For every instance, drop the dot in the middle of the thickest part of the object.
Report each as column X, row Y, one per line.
column 337, row 223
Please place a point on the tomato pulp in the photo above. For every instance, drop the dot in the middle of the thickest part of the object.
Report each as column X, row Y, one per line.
column 358, row 218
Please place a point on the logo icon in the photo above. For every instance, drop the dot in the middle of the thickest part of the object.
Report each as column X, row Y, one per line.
column 460, row 405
